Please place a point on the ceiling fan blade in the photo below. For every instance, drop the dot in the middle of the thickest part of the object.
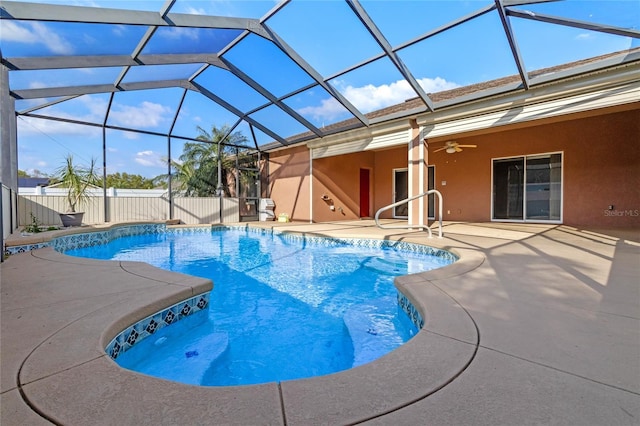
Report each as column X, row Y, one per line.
column 468, row 146
column 440, row 149
column 458, row 149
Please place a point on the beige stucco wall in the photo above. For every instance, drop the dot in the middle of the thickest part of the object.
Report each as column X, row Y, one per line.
column 289, row 182
column 601, row 165
column 339, row 178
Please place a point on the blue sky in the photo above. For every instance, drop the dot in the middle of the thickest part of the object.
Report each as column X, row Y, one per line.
column 326, row 34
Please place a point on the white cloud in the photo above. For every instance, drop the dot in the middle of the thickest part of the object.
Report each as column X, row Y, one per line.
column 95, row 106
column 88, row 39
column 193, row 11
column 12, row 31
column 29, row 126
column 438, row 84
column 36, row 33
column 130, row 135
column 85, row 3
column 39, row 167
column 37, row 85
column 149, row 159
column 180, row 33
column 371, row 98
column 119, row 30
column 585, row 36
column 329, row 109
column 146, row 115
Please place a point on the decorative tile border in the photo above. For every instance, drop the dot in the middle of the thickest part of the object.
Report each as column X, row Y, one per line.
column 182, row 230
column 410, row 310
column 195, row 230
column 88, row 239
column 371, row 243
column 70, row 242
column 326, row 241
column 8, row 251
column 151, row 324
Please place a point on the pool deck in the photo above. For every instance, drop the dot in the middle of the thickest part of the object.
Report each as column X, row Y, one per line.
column 536, row 324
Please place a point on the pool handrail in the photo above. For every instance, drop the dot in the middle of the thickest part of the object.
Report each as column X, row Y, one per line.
column 398, row 203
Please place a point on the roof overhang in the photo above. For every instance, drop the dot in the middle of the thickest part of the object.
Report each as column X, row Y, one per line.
column 558, row 98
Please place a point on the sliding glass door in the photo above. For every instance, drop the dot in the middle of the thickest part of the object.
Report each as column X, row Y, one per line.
column 508, row 196
column 528, row 188
column 544, row 185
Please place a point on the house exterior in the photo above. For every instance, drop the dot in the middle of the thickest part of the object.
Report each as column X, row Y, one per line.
column 32, row 182
column 567, row 152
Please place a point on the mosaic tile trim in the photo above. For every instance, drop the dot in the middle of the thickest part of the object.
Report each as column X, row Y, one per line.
column 410, row 310
column 371, row 243
column 193, row 230
column 151, row 324
column 206, row 229
column 70, row 242
column 328, row 241
column 75, row 241
column 25, row 248
column 87, row 239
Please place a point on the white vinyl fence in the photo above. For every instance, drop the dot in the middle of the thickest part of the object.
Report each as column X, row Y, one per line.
column 124, row 206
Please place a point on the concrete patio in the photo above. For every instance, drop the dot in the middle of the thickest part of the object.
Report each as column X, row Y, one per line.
column 536, row 324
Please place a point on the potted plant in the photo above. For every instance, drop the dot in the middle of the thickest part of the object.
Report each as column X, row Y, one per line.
column 78, row 180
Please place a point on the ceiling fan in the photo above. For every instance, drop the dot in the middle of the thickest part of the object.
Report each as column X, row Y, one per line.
column 452, row 147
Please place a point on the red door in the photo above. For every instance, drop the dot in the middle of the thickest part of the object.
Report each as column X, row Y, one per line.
column 364, row 193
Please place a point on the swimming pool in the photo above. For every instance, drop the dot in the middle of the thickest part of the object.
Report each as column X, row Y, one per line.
column 282, row 308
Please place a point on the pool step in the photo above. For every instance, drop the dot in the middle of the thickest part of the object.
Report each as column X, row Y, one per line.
column 185, row 358
column 370, row 325
column 385, row 266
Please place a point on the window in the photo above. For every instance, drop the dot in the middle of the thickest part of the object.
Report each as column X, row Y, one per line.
column 528, row 188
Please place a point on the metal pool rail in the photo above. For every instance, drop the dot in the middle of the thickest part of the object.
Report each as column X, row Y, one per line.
column 399, row 203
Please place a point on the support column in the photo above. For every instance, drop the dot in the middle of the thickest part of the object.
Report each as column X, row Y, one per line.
column 418, row 175
column 8, row 159
column 8, row 134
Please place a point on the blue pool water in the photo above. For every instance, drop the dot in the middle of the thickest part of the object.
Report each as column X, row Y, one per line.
column 282, row 308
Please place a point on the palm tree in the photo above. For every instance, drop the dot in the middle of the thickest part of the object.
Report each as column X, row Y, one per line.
column 77, row 179
column 201, row 166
